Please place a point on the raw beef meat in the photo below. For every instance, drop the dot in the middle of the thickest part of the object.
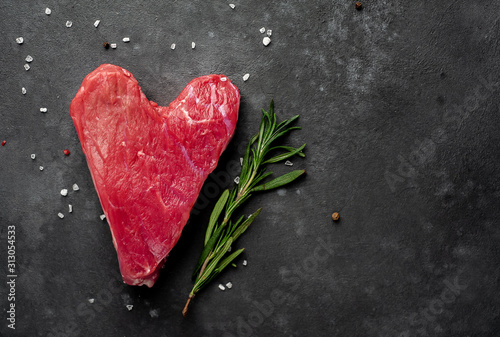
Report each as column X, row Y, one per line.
column 148, row 162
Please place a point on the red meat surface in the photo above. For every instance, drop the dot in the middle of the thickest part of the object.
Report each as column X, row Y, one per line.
column 148, row 162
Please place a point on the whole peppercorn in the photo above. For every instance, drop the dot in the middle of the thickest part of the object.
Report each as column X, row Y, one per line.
column 335, row 216
column 106, row 45
column 359, row 6
column 66, row 152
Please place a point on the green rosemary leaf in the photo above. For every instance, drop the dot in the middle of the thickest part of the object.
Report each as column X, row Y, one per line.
column 271, row 111
column 280, row 181
column 224, row 263
column 259, row 178
column 208, row 274
column 276, row 136
column 209, row 247
column 243, row 227
column 284, row 156
column 213, row 264
column 286, row 122
column 288, row 148
column 219, row 206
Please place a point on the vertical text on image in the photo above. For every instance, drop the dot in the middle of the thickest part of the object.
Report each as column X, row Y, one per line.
column 11, row 276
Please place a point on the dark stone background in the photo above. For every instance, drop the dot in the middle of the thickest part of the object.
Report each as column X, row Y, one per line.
column 399, row 111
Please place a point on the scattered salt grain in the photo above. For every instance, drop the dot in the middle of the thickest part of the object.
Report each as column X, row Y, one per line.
column 33, row 156
column 126, row 39
column 23, row 90
column 60, row 215
column 221, row 287
column 29, row 58
column 20, row 40
column 43, row 109
column 237, row 180
column 48, row 11
column 246, row 77
column 232, row 6
column 266, row 41
column 172, row 46
column 64, row 192
column 113, row 45
column 241, row 161
column 69, row 24
column 245, row 262
column 288, row 163
column 193, row 45
column 102, row 216
column 96, row 23
column 70, row 208
column 91, row 300
column 223, row 79
column 26, row 66
column 75, row 187
column 129, row 307
column 229, row 249
column 41, row 168
column 229, row 285
column 269, row 32
column 262, row 30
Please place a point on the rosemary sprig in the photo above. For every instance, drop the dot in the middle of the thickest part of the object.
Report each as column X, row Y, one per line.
column 222, row 232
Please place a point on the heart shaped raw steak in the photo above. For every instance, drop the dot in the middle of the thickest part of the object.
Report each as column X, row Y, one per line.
column 148, row 162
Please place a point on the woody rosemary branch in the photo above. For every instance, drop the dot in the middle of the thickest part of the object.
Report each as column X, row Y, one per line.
column 11, row 277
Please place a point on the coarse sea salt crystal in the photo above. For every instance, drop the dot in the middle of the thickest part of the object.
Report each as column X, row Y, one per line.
column 19, row 40
column 288, row 163
column 223, row 79
column 23, row 90
column 26, row 66
column 232, row 6
column 33, row 156
column 262, row 30
column 245, row 262
column 43, row 109
column 70, row 208
column 221, row 287
column 246, row 77
column 241, row 161
column 69, row 24
column 229, row 285
column 102, row 216
column 91, row 300
column 269, row 32
column 48, row 11
column 172, row 46
column 229, row 249
column 96, row 23
column 60, row 215
column 75, row 187
column 266, row 41
column 126, row 39
column 29, row 58
column 64, row 192
column 41, row 168
column 193, row 45
column 113, row 45
column 129, row 307
column 237, row 180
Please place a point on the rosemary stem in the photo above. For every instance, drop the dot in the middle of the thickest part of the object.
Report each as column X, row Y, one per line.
column 186, row 307
column 204, row 264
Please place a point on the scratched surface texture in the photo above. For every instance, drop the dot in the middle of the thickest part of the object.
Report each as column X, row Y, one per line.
column 399, row 109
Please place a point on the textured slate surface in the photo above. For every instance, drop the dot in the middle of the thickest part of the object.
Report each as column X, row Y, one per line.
column 400, row 113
